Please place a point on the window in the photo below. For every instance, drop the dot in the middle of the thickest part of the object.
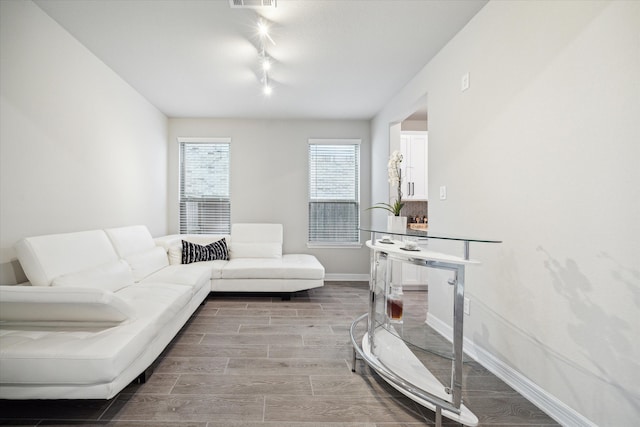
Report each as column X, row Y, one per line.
column 334, row 191
column 205, row 203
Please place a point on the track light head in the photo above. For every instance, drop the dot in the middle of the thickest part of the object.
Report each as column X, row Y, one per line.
column 266, row 64
column 263, row 30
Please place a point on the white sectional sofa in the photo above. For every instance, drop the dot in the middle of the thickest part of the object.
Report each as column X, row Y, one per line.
column 105, row 303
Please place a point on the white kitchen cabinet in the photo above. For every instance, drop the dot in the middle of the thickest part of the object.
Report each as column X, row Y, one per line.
column 414, row 149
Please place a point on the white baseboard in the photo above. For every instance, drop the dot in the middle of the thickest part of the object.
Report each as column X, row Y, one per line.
column 420, row 287
column 365, row 278
column 527, row 388
column 346, row 277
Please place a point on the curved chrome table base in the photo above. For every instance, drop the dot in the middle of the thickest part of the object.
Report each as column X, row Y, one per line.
column 415, row 392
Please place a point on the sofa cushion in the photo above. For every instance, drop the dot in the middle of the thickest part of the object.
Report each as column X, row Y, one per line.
column 158, row 301
column 256, row 241
column 148, row 262
column 62, row 305
column 43, row 258
column 194, row 275
column 193, row 252
column 289, row 266
column 111, row 277
column 216, row 268
column 130, row 240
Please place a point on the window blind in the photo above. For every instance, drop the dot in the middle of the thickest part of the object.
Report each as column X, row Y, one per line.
column 334, row 191
column 205, row 203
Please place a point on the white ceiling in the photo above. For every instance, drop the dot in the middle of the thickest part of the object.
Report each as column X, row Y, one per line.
column 199, row 58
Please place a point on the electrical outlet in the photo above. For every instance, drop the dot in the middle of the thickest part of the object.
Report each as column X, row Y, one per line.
column 467, row 303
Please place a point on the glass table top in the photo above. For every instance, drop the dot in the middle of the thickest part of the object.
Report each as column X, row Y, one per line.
column 429, row 235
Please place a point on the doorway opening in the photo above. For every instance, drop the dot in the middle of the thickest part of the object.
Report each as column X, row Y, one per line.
column 410, row 136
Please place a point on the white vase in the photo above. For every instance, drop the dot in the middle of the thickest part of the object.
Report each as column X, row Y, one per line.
column 396, row 224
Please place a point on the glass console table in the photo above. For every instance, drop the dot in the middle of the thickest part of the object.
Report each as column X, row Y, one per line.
column 397, row 344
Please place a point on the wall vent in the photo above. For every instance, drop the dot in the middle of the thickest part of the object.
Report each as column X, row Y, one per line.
column 253, row 4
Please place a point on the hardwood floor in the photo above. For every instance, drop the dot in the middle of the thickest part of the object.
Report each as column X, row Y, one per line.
column 258, row 361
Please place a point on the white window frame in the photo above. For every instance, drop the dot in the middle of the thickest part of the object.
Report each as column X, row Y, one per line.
column 334, row 243
column 204, row 204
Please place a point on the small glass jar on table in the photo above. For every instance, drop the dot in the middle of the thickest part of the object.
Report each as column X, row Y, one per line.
column 395, row 304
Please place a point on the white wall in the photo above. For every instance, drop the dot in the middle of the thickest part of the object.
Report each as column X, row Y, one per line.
column 79, row 148
column 542, row 152
column 269, row 177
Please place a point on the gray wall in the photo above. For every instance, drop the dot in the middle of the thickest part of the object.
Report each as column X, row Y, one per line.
column 79, row 148
column 542, row 152
column 269, row 178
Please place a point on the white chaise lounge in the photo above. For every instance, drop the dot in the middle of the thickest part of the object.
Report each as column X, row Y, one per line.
column 256, row 264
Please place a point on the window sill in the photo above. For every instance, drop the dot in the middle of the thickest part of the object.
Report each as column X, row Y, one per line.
column 333, row 245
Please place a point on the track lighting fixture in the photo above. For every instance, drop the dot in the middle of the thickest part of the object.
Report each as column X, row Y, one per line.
column 265, row 61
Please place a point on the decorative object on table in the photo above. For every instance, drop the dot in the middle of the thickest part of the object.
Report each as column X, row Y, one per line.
column 394, row 304
column 395, row 223
column 386, row 239
column 410, row 245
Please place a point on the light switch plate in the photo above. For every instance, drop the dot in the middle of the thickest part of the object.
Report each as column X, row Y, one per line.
column 464, row 82
column 443, row 192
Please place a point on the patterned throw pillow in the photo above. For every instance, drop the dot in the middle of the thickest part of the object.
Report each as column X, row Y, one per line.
column 192, row 252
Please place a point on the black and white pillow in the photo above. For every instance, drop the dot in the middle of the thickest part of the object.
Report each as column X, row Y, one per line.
column 192, row 252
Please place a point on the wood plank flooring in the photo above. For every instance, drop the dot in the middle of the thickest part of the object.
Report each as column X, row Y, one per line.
column 258, row 361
